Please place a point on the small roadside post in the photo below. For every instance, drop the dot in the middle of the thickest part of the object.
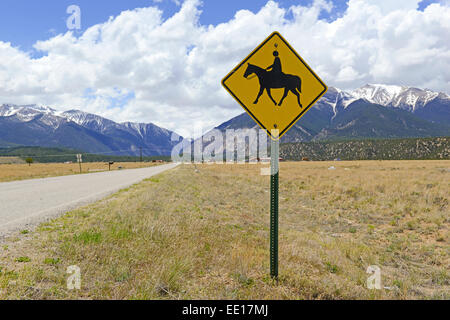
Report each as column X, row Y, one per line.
column 276, row 87
column 79, row 160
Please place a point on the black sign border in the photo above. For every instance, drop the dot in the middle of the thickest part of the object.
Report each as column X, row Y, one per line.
column 275, row 33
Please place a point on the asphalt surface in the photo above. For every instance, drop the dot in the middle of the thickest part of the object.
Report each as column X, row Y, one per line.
column 23, row 204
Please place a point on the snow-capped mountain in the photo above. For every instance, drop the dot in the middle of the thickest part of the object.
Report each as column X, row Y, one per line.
column 89, row 120
column 426, row 104
column 407, row 98
column 29, row 112
column 372, row 111
column 397, row 96
column 44, row 126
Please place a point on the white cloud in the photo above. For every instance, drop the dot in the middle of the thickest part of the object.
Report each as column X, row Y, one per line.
column 173, row 68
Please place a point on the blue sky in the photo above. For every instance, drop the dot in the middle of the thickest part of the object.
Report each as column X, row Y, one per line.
column 23, row 22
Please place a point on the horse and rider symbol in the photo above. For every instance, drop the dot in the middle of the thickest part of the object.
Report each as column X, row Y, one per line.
column 273, row 77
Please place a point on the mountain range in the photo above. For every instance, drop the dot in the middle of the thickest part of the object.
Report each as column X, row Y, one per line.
column 34, row 125
column 372, row 111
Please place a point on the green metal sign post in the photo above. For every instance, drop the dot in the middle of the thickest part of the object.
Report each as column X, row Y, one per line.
column 274, row 174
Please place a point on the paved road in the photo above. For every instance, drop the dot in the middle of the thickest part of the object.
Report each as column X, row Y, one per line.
column 28, row 202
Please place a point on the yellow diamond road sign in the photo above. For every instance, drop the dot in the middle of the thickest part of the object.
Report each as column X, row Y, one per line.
column 274, row 85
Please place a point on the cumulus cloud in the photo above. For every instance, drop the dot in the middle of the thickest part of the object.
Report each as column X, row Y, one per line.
column 139, row 67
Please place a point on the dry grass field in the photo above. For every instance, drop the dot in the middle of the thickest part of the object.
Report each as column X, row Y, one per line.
column 11, row 172
column 203, row 232
column 11, row 160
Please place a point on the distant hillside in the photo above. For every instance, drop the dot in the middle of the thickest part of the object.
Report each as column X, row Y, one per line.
column 372, row 112
column 376, row 149
column 51, row 155
column 360, row 119
column 368, row 120
column 4, row 144
column 34, row 125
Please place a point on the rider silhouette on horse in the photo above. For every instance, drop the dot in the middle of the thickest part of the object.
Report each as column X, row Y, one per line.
column 276, row 72
column 275, row 79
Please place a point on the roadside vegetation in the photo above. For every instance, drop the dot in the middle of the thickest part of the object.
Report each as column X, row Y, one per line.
column 11, row 172
column 59, row 155
column 11, row 160
column 202, row 232
column 370, row 149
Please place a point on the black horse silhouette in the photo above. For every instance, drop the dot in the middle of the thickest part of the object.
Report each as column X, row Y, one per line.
column 274, row 80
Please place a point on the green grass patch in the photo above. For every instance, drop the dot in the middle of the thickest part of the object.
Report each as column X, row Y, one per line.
column 23, row 259
column 88, row 237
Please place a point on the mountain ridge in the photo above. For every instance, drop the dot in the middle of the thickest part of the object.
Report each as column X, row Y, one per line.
column 405, row 112
column 44, row 126
column 371, row 111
